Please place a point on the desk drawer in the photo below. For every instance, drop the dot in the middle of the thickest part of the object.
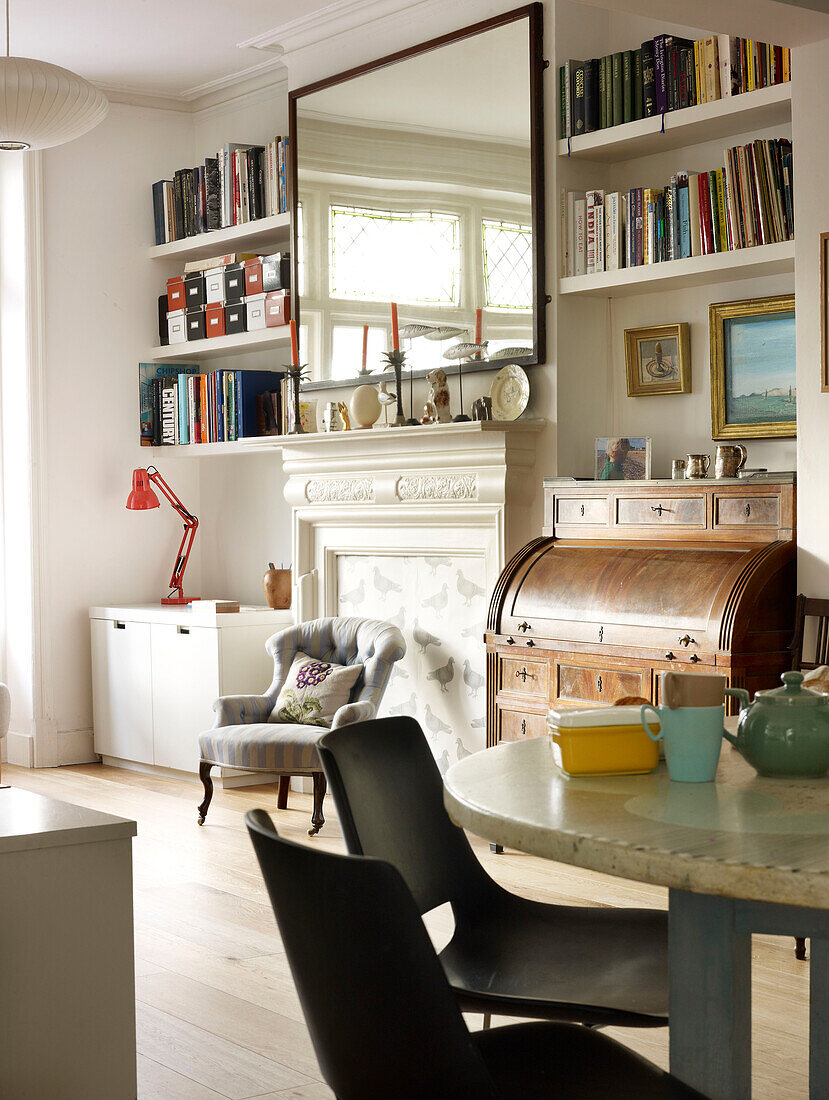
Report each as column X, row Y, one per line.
column 582, row 510
column 517, row 676
column 515, row 725
column 577, row 683
column 664, row 511
column 748, row 511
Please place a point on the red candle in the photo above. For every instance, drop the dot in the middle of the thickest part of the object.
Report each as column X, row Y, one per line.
column 294, row 347
column 395, row 335
column 365, row 345
column 478, row 324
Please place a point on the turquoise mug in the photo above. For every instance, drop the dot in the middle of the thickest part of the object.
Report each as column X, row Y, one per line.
column 693, row 738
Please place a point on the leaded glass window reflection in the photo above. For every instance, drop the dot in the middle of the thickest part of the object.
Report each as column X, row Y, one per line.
column 366, row 250
column 508, row 264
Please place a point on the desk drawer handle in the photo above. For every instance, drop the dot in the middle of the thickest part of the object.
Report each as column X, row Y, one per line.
column 524, row 627
column 523, row 674
column 669, row 656
column 531, row 643
column 659, row 509
column 687, row 640
column 599, row 685
column 510, row 641
column 747, row 510
column 523, row 727
column 694, row 658
column 581, row 510
column 119, row 626
column 183, row 629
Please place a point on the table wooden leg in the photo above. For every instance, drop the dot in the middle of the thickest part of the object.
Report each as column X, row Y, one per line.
column 709, row 963
column 819, row 1019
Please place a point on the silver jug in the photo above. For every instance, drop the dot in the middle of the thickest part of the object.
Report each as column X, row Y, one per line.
column 729, row 460
column 697, row 466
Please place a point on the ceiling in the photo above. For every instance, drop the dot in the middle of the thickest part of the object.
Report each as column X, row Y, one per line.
column 180, row 48
column 153, row 47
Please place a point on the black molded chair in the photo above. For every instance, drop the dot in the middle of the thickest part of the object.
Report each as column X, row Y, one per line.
column 508, row 955
column 381, row 1016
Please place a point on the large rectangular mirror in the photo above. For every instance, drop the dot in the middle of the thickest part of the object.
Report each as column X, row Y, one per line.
column 418, row 180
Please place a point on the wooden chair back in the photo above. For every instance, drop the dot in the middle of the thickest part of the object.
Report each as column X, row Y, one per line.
column 815, row 634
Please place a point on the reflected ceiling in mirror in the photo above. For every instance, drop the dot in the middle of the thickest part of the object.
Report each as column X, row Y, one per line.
column 419, row 182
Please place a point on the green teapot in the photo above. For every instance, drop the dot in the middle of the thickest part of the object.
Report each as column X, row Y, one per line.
column 785, row 731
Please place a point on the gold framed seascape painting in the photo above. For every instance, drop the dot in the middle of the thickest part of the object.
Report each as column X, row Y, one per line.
column 753, row 381
column 658, row 360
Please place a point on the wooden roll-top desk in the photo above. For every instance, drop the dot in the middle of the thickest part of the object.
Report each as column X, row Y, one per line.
column 632, row 578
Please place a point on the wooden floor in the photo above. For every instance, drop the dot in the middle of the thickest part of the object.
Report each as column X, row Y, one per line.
column 218, row 1016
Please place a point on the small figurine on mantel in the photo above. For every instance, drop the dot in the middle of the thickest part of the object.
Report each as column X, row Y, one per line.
column 439, row 395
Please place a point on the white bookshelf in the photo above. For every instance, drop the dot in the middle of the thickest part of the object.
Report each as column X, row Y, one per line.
column 217, row 347
column 721, row 267
column 264, row 233
column 251, row 446
column 722, row 119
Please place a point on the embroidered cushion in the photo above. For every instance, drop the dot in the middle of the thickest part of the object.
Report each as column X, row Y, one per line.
column 314, row 691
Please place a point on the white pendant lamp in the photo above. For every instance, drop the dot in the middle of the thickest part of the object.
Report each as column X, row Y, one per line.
column 43, row 105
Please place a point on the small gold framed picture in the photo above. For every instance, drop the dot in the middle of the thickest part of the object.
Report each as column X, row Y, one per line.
column 753, row 383
column 658, row 360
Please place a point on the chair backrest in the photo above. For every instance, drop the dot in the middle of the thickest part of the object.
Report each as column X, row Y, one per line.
column 816, row 634
column 343, row 641
column 389, row 796
column 382, row 1018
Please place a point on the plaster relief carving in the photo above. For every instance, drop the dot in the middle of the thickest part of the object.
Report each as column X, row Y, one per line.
column 331, row 490
column 438, row 487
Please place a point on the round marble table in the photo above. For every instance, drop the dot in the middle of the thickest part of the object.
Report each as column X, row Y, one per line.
column 741, row 855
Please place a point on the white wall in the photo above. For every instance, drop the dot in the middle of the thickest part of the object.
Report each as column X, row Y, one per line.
column 810, row 93
column 100, row 321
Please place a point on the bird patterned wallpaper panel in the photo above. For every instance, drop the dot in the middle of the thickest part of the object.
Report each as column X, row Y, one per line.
column 439, row 603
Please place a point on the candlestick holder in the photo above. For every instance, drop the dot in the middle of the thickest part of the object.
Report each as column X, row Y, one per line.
column 295, row 374
column 395, row 360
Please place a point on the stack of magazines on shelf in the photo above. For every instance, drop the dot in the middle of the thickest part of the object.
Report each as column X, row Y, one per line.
column 180, row 405
column 666, row 73
column 242, row 183
column 749, row 201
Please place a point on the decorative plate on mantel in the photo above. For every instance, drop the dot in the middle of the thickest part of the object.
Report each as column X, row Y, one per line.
column 510, row 393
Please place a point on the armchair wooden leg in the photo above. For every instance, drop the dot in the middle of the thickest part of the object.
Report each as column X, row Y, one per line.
column 204, row 776
column 317, row 819
column 282, row 793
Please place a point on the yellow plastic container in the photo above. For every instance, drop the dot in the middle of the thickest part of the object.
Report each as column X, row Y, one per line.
column 601, row 741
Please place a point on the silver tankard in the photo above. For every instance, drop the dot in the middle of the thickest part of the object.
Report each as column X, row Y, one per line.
column 729, row 460
column 697, row 466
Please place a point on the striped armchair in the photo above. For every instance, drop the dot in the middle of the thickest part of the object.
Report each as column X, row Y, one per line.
column 248, row 735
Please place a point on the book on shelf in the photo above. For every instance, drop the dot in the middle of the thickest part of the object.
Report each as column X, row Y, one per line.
column 241, row 183
column 748, row 201
column 664, row 74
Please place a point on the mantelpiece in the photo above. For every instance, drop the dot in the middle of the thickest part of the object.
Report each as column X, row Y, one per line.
column 414, row 525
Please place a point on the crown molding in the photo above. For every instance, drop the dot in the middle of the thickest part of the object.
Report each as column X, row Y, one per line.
column 330, row 22
column 255, row 82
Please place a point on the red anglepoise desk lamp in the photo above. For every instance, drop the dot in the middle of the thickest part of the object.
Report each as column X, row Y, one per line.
column 142, row 497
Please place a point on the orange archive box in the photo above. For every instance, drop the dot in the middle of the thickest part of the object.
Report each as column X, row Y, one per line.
column 277, row 308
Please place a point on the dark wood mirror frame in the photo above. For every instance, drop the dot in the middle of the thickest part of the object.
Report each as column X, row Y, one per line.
column 534, row 14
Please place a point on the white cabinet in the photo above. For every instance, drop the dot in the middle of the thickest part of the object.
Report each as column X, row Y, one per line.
column 157, row 670
column 122, row 699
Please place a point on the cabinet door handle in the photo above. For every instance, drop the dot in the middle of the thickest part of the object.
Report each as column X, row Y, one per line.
column 599, row 685
column 524, row 627
column 119, row 626
column 687, row 640
column 183, row 629
column 522, row 675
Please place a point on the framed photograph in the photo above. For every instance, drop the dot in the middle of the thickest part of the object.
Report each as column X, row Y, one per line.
column 658, row 360
column 753, row 381
column 625, row 458
column 824, row 312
